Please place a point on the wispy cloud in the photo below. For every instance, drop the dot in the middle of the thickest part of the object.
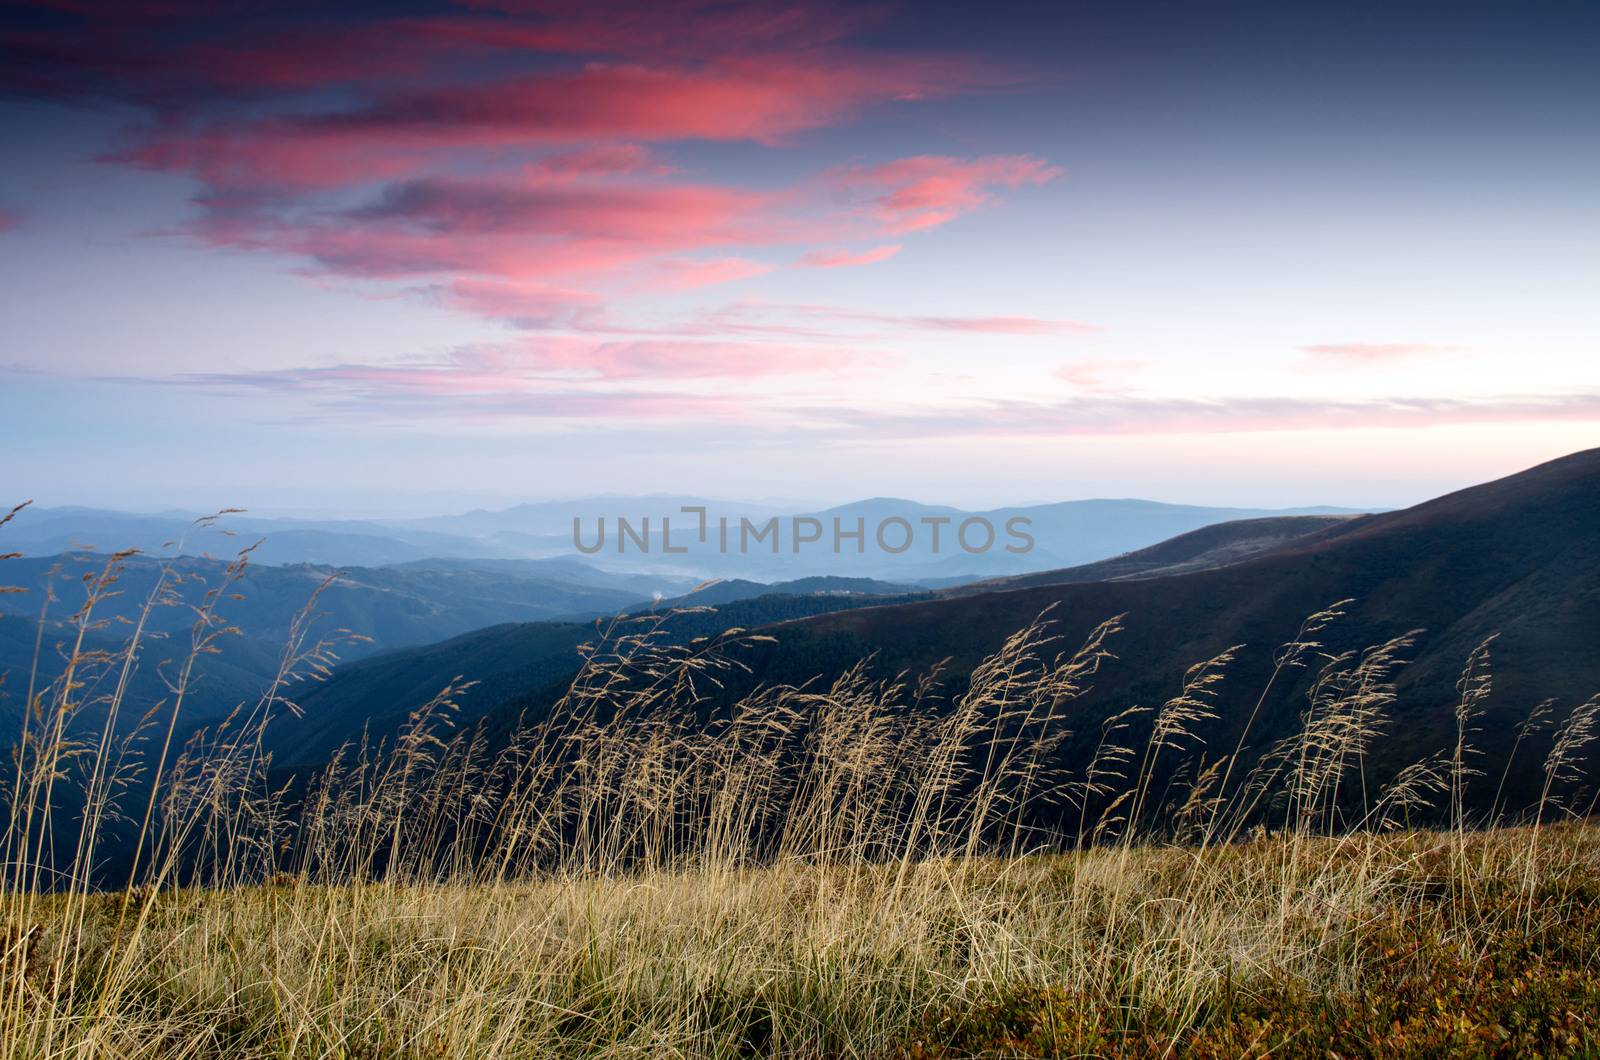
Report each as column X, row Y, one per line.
column 404, row 134
column 577, row 379
column 913, row 194
column 602, row 160
column 516, row 155
column 530, row 305
column 1374, row 352
column 1112, row 414
column 1000, row 325
column 596, row 230
column 1099, row 375
column 687, row 274
column 779, row 317
column 834, row 257
column 535, row 366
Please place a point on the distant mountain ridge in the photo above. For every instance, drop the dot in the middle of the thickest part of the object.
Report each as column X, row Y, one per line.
column 385, row 607
column 1062, row 534
column 1518, row 558
column 50, row 531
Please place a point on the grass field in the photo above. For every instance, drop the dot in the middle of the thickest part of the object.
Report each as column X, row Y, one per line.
column 865, row 868
column 1404, row 945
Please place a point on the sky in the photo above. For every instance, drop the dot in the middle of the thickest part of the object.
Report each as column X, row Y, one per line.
column 369, row 258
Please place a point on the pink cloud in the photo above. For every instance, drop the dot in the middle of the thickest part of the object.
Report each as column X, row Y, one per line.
column 525, row 305
column 603, row 160
column 272, row 156
column 668, row 359
column 1375, row 352
column 541, row 373
column 176, row 53
column 379, row 252
column 578, row 379
column 801, row 319
column 1113, row 414
column 651, row 214
column 837, row 258
column 679, row 274
column 513, row 157
column 913, row 194
column 764, row 99
column 436, row 392
column 685, row 28
column 991, row 325
column 1004, row 325
column 10, row 221
column 1098, row 375
column 525, row 230
column 540, row 231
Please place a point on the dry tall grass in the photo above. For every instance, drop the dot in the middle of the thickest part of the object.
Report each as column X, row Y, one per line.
column 859, row 868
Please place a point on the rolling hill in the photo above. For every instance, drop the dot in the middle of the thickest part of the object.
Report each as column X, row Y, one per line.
column 1211, row 546
column 514, row 667
column 1519, row 557
column 730, row 589
column 387, row 607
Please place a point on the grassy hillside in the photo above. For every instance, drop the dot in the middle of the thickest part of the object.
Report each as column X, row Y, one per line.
column 730, row 589
column 681, row 853
column 363, row 611
column 1517, row 559
column 393, row 607
column 886, row 867
column 1407, row 946
column 513, row 669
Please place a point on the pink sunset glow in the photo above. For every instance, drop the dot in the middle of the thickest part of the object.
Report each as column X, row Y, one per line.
column 863, row 224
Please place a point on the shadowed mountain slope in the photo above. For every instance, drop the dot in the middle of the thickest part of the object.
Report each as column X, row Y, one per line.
column 513, row 667
column 1208, row 547
column 731, row 589
column 386, row 607
column 1518, row 557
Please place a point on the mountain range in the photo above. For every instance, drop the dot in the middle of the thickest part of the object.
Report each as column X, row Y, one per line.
column 1517, row 560
column 361, row 610
column 1062, row 534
